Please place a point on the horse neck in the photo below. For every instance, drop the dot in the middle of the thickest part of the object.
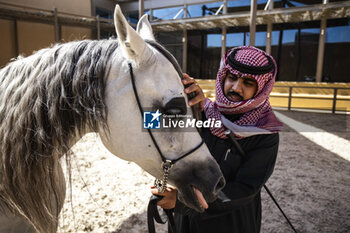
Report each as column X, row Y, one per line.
column 75, row 138
column 81, row 77
column 55, row 96
column 48, row 101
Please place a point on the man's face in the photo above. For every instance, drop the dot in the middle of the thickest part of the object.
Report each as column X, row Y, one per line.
column 239, row 88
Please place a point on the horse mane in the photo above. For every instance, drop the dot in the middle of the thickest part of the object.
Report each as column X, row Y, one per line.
column 46, row 100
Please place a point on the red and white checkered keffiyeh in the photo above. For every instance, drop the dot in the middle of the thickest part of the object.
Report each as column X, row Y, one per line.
column 258, row 117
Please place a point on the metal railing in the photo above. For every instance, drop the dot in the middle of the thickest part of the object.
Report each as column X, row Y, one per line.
column 328, row 97
column 334, row 97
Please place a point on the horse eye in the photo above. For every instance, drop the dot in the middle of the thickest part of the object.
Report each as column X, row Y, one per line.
column 176, row 105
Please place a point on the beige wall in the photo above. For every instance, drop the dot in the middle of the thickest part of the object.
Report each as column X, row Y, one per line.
column 33, row 36
column 7, row 41
column 75, row 33
column 79, row 7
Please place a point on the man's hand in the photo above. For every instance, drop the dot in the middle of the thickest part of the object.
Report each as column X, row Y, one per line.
column 169, row 199
column 194, row 88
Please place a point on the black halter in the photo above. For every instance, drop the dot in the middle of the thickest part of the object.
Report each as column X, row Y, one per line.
column 167, row 163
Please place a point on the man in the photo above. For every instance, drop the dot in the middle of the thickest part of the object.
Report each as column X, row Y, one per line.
column 243, row 85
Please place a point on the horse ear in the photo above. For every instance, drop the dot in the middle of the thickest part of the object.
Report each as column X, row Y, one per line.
column 132, row 43
column 144, row 28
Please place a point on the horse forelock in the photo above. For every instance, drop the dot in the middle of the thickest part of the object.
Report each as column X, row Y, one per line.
column 45, row 99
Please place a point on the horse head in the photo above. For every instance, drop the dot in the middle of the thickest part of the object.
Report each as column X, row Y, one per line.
column 160, row 88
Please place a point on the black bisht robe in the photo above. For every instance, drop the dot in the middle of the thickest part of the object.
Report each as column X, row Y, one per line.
column 245, row 176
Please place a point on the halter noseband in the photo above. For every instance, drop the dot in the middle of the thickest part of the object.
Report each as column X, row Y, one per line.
column 167, row 163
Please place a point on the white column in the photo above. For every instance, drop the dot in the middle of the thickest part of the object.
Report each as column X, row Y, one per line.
column 223, row 41
column 184, row 44
column 253, row 9
column 141, row 8
column 321, row 45
column 269, row 32
column 223, row 36
column 151, row 14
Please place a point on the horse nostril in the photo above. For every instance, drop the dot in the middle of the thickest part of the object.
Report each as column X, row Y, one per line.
column 219, row 185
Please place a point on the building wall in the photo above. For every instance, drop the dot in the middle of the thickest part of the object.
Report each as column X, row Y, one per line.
column 296, row 55
column 78, row 7
column 7, row 41
column 70, row 33
column 32, row 36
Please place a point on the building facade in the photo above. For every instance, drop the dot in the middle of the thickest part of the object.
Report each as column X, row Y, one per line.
column 310, row 40
column 29, row 25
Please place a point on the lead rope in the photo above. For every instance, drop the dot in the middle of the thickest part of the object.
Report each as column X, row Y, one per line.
column 242, row 153
column 153, row 215
column 152, row 211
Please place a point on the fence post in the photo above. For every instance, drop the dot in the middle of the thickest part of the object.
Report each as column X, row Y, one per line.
column 15, row 25
column 56, row 26
column 290, row 98
column 98, row 27
column 334, row 100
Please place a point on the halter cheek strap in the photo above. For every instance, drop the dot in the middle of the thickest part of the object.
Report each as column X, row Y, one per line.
column 167, row 163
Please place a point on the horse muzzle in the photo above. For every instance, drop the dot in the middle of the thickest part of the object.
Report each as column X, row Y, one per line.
column 199, row 186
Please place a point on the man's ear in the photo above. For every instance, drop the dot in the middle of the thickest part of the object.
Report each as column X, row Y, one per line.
column 132, row 43
column 144, row 28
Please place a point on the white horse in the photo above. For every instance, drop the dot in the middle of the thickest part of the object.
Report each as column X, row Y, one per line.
column 53, row 97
